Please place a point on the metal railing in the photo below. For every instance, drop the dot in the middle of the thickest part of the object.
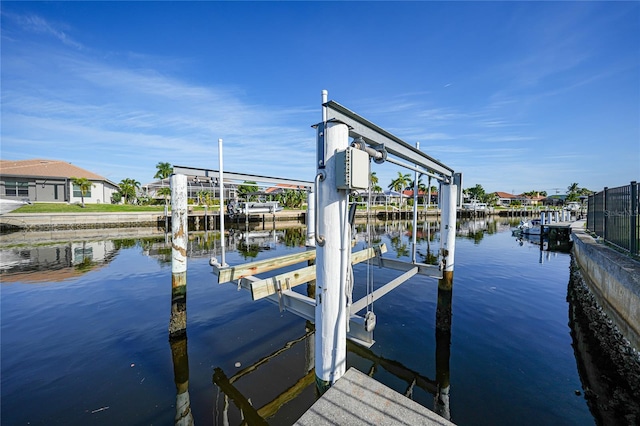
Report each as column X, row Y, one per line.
column 613, row 215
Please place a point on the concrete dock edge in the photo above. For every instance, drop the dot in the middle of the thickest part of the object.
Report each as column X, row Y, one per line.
column 357, row 399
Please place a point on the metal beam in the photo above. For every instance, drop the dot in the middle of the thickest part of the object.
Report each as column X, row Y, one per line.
column 362, row 303
column 374, row 136
column 304, row 307
column 423, row 269
column 239, row 177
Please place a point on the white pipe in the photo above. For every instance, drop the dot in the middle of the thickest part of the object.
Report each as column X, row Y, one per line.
column 325, row 97
column 332, row 260
column 221, row 185
column 415, row 212
column 415, row 168
column 311, row 217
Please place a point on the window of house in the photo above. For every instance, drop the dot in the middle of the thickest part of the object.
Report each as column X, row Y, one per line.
column 78, row 193
column 16, row 189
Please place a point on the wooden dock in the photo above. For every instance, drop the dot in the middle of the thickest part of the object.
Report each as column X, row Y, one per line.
column 357, row 399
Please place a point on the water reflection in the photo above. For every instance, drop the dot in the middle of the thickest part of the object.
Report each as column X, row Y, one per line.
column 56, row 262
column 278, row 390
column 180, row 359
column 269, row 385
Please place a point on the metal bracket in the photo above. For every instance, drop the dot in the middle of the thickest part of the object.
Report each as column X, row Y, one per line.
column 319, row 178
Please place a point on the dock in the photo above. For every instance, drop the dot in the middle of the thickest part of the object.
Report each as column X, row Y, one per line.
column 357, row 399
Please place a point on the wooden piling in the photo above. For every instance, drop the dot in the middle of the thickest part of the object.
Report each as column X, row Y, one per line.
column 179, row 239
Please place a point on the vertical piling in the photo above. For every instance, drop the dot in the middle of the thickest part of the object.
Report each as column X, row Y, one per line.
column 179, row 239
column 445, row 296
column 448, row 233
column 333, row 255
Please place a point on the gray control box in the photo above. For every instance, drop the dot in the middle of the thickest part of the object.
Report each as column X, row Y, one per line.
column 352, row 169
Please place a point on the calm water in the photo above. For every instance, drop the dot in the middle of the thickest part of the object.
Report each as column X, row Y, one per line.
column 85, row 332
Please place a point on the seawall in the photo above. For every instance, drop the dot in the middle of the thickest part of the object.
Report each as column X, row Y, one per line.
column 614, row 280
column 67, row 221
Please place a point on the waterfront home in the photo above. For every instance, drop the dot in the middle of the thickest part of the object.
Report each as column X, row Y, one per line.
column 42, row 180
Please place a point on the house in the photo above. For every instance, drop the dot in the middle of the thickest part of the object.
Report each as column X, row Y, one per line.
column 422, row 195
column 555, row 200
column 41, row 180
column 533, row 200
column 505, row 199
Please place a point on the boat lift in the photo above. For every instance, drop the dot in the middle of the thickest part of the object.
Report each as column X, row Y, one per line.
column 342, row 167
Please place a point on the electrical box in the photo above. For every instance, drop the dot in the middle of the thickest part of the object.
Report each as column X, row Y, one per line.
column 352, row 169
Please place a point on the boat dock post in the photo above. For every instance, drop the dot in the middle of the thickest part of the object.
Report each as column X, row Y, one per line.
column 333, row 241
column 448, row 231
column 179, row 240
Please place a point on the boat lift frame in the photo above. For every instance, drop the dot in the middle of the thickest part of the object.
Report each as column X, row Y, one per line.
column 335, row 320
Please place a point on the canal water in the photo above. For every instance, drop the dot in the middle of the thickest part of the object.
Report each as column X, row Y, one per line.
column 84, row 328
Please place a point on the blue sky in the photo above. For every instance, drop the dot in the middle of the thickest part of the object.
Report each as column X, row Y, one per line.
column 517, row 96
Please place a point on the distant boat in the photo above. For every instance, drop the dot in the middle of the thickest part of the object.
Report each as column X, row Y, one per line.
column 573, row 206
column 474, row 206
column 529, row 227
column 254, row 207
column 7, row 205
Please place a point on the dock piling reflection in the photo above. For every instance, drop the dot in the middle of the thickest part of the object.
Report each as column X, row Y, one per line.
column 180, row 359
column 443, row 346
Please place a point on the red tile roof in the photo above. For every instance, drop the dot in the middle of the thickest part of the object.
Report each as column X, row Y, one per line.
column 505, row 195
column 45, row 168
column 280, row 186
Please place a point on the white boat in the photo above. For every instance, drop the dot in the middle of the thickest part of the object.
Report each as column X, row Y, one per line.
column 530, row 227
column 474, row 206
column 573, row 206
column 253, row 207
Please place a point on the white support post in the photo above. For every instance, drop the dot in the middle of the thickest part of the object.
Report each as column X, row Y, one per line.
column 221, row 185
column 448, row 231
column 332, row 260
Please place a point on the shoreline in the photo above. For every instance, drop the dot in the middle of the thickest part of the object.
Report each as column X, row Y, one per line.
column 11, row 222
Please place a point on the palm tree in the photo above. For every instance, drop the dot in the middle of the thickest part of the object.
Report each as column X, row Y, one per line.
column 373, row 179
column 573, row 191
column 164, row 170
column 165, row 191
column 400, row 183
column 84, row 184
column 128, row 188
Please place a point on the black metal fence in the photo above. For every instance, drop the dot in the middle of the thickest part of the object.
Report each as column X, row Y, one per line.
column 613, row 215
